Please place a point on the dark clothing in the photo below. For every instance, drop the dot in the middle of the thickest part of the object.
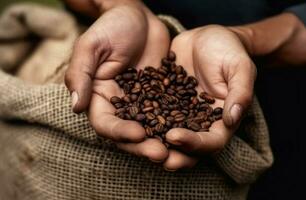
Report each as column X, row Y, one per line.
column 194, row 13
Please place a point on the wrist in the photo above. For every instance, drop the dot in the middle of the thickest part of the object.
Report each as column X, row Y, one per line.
column 267, row 36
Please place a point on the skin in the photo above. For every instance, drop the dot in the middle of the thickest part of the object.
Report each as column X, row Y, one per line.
column 218, row 56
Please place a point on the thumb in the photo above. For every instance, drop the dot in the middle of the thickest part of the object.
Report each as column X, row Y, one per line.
column 240, row 92
column 87, row 54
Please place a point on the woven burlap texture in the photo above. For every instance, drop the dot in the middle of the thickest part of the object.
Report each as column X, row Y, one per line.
column 48, row 152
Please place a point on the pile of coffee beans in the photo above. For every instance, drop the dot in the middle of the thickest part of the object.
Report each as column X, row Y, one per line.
column 164, row 98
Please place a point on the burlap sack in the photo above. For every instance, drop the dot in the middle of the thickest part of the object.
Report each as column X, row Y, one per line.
column 47, row 152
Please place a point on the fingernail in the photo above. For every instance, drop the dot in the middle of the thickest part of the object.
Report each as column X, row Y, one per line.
column 170, row 170
column 156, row 161
column 236, row 112
column 74, row 99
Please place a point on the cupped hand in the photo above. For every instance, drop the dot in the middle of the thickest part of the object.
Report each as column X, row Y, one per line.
column 124, row 36
column 217, row 58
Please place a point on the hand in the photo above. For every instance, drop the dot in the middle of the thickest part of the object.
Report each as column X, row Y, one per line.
column 126, row 35
column 217, row 58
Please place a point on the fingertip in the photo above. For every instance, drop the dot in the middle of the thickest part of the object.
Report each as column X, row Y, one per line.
column 155, row 151
column 177, row 160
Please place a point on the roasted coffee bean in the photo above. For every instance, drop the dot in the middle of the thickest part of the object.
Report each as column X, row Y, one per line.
column 128, row 76
column 194, row 126
column 133, row 111
column 148, row 109
column 155, row 104
column 161, row 119
column 147, row 103
column 115, row 100
column 118, row 105
column 218, row 111
column 207, row 98
column 140, row 117
column 134, row 97
column 126, row 99
column 157, row 111
column 206, row 125
column 153, row 122
column 171, row 56
column 174, row 112
column 159, row 127
column 164, row 98
column 149, row 131
column 150, row 116
column 179, row 117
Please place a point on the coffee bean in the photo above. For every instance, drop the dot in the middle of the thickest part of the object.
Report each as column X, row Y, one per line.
column 150, row 116
column 115, row 100
column 171, row 56
column 118, row 105
column 194, row 126
column 155, row 104
column 161, row 119
column 159, row 127
column 148, row 109
column 149, row 131
column 153, row 122
column 179, row 117
column 164, row 98
column 133, row 111
column 217, row 111
column 140, row 117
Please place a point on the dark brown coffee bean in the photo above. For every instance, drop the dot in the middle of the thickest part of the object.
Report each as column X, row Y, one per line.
column 148, row 109
column 126, row 99
column 133, row 111
column 140, row 117
column 153, row 122
column 128, row 76
column 115, row 100
column 179, row 117
column 171, row 56
column 134, row 97
column 118, row 105
column 194, row 126
column 161, row 119
column 118, row 78
column 149, row 131
column 172, row 77
column 175, row 112
column 207, row 98
column 147, row 103
column 206, row 125
column 157, row 111
column 218, row 111
column 155, row 104
column 159, row 127
column 170, row 91
column 166, row 62
column 150, row 116
column 218, row 116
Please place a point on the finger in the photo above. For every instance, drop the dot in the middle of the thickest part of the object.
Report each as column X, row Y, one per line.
column 152, row 149
column 178, row 160
column 107, row 125
column 240, row 92
column 79, row 76
column 198, row 142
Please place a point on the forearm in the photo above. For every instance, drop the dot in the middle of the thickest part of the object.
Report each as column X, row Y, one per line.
column 282, row 36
